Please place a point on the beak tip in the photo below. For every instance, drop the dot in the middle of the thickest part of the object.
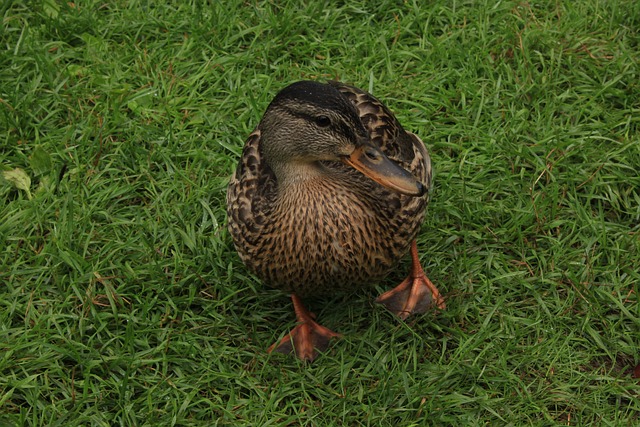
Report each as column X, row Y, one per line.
column 421, row 189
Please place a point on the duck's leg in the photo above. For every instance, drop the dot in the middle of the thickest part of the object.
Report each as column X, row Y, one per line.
column 306, row 338
column 415, row 294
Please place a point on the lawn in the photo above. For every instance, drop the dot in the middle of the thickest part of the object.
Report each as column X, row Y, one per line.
column 123, row 301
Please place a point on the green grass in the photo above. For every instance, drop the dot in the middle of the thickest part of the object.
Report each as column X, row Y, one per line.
column 122, row 301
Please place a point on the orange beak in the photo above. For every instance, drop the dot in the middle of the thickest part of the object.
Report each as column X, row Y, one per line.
column 374, row 164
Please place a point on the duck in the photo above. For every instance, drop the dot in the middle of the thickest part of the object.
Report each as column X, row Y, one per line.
column 328, row 196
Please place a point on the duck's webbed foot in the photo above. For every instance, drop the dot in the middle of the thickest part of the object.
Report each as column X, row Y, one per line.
column 415, row 294
column 308, row 338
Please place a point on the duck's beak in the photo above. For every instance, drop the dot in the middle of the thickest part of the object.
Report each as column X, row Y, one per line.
column 374, row 164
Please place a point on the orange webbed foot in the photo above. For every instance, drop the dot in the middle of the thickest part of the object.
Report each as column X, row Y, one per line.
column 308, row 338
column 415, row 294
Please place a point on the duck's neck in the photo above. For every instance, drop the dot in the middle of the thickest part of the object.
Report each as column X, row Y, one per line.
column 296, row 173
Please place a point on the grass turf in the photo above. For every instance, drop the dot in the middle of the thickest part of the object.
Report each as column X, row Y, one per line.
column 123, row 302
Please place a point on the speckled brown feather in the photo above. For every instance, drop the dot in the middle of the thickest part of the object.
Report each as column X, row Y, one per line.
column 335, row 232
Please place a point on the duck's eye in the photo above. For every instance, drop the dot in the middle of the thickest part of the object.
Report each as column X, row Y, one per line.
column 323, row 121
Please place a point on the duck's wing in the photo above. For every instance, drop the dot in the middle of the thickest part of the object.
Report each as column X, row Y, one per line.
column 249, row 193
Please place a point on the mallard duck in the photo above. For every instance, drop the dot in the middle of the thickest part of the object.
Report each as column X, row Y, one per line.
column 328, row 196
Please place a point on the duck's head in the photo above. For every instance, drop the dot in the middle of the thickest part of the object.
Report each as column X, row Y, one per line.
column 309, row 122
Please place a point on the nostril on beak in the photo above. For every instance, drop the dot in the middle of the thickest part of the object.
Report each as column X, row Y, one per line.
column 371, row 154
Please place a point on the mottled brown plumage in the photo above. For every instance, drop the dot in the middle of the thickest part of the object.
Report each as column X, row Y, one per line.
column 302, row 218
